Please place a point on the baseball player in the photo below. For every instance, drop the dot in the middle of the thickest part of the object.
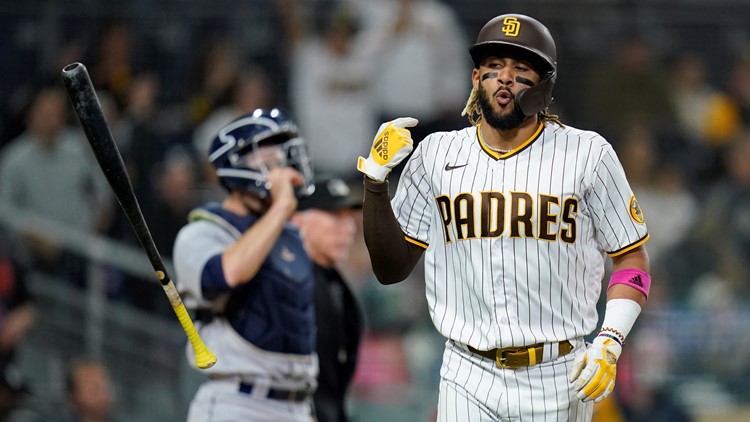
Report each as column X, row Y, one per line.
column 244, row 264
column 516, row 214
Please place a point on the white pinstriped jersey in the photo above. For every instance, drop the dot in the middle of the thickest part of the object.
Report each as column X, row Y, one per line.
column 516, row 242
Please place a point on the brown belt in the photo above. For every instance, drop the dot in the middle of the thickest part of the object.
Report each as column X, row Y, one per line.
column 517, row 357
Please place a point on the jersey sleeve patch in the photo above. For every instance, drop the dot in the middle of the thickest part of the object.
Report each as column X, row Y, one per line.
column 635, row 211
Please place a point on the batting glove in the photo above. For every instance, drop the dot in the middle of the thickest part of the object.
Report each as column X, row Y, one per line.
column 391, row 145
column 593, row 373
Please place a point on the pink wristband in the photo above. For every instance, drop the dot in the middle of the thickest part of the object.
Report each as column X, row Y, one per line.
column 635, row 278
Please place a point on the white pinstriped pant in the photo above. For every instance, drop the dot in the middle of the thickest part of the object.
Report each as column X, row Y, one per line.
column 473, row 388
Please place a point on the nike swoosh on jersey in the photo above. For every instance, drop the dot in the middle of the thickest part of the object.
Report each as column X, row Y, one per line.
column 449, row 167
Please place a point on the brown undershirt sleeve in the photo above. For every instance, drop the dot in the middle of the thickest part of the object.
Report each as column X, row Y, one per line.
column 393, row 257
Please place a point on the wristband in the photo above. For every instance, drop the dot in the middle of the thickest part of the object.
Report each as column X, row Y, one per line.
column 633, row 277
column 603, row 333
column 620, row 317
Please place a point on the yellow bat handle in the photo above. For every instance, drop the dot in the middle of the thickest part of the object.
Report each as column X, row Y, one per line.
column 204, row 358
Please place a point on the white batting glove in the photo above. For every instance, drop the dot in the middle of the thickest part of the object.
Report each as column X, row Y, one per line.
column 593, row 373
column 391, row 145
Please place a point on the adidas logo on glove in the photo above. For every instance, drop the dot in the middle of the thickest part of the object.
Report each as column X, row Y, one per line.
column 381, row 147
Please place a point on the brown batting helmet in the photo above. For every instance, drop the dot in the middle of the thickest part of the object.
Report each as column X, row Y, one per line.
column 514, row 31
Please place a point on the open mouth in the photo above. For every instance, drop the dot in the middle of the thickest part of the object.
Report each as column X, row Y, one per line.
column 503, row 97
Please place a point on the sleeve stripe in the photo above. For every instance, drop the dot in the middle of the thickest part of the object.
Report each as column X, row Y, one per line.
column 630, row 247
column 416, row 242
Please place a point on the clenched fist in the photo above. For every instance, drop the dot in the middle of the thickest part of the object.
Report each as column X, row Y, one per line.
column 391, row 145
column 593, row 374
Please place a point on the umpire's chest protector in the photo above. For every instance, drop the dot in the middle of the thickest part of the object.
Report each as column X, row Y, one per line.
column 274, row 311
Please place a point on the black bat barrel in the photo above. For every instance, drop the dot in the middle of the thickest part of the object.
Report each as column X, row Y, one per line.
column 89, row 111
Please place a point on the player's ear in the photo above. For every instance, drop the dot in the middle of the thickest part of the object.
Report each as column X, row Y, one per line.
column 475, row 78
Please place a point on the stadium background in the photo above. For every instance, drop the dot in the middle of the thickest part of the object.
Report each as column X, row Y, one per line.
column 690, row 348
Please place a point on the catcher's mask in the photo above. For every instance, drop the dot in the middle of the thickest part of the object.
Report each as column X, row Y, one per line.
column 247, row 148
column 514, row 31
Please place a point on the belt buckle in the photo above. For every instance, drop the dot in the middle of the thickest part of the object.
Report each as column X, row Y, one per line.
column 500, row 359
column 297, row 395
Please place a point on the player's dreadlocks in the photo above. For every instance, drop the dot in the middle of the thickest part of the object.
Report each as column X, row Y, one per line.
column 471, row 110
column 474, row 113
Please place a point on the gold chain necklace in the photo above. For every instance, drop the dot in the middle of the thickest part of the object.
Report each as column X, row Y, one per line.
column 498, row 150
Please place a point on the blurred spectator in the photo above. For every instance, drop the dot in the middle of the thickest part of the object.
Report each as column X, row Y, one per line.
column 46, row 172
column 112, row 61
column 143, row 141
column 90, row 392
column 219, row 63
column 738, row 86
column 707, row 119
column 88, row 397
column 631, row 85
column 173, row 180
column 670, row 208
column 250, row 90
column 16, row 318
column 16, row 104
column 327, row 227
column 332, row 86
column 422, row 70
column 704, row 114
column 726, row 221
column 718, row 247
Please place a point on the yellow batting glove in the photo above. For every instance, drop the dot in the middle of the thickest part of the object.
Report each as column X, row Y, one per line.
column 593, row 374
column 391, row 145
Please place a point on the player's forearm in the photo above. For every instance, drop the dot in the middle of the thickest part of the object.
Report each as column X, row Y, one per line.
column 392, row 257
column 626, row 294
column 242, row 260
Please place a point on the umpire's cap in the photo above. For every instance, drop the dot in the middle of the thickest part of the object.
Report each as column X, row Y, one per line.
column 331, row 194
column 528, row 36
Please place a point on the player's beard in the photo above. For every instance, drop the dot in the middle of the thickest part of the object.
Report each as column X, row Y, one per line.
column 507, row 121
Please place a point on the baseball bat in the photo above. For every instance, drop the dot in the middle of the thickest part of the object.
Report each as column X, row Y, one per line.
column 88, row 109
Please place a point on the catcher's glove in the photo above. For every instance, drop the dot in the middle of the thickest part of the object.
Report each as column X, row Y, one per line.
column 391, row 145
column 593, row 374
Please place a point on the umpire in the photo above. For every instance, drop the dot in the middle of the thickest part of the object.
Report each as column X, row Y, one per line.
column 326, row 222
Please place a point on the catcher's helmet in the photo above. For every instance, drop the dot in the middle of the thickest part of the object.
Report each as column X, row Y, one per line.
column 246, row 135
column 531, row 36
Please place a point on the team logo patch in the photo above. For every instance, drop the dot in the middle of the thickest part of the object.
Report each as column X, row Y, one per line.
column 287, row 255
column 511, row 26
column 635, row 211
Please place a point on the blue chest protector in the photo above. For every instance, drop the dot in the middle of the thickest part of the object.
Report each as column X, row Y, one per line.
column 274, row 311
